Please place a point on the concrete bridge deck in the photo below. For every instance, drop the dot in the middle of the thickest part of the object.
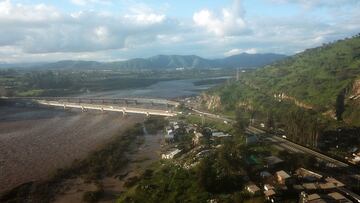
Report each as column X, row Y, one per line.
column 151, row 101
column 112, row 108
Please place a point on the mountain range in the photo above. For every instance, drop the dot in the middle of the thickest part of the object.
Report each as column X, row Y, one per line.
column 161, row 62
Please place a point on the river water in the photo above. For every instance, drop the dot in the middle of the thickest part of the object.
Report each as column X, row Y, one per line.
column 163, row 89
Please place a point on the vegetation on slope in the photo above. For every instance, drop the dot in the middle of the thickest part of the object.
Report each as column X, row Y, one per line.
column 320, row 79
column 306, row 96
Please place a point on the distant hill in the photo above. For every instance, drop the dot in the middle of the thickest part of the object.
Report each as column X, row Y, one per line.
column 161, row 62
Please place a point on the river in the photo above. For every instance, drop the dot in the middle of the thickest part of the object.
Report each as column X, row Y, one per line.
column 163, row 89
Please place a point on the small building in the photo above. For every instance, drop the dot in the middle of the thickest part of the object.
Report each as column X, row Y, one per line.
column 269, row 194
column 309, row 186
column 313, row 198
column 220, row 135
column 308, row 175
column 171, row 154
column 253, row 189
column 326, row 186
column 268, row 187
column 197, row 138
column 265, row 174
column 169, row 136
column 339, row 197
column 298, row 188
column 282, row 176
column 251, row 139
column 273, row 161
column 335, row 182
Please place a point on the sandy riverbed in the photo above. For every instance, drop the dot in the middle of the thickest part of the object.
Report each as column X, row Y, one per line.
column 35, row 142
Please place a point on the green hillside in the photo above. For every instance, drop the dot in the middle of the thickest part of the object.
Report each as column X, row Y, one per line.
column 322, row 79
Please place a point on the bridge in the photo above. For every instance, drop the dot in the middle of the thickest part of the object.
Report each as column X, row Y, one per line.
column 124, row 101
column 158, row 107
column 112, row 108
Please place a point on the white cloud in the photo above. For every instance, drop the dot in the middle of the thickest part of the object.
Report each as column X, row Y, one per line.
column 87, row 2
column 317, row 3
column 31, row 32
column 43, row 29
column 230, row 22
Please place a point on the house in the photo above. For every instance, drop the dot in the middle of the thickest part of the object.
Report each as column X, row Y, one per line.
column 309, row 186
column 268, row 187
column 313, row 198
column 265, row 174
column 326, row 186
column 335, row 182
column 251, row 139
column 282, row 176
column 269, row 194
column 197, row 138
column 308, row 175
column 176, row 127
column 171, row 154
column 220, row 135
column 273, row 161
column 253, row 189
column 338, row 197
column 169, row 136
column 298, row 188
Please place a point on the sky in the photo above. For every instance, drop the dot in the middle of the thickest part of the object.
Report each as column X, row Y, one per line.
column 112, row 30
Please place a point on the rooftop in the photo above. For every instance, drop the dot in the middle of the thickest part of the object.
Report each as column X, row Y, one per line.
column 283, row 174
column 253, row 188
column 272, row 160
column 269, row 193
column 339, row 197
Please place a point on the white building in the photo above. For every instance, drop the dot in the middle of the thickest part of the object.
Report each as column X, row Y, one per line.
column 169, row 136
column 196, row 139
column 171, row 154
column 220, row 135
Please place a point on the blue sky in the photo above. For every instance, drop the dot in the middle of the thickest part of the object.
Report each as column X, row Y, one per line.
column 107, row 30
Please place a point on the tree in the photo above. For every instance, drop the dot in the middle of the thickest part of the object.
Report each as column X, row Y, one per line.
column 241, row 122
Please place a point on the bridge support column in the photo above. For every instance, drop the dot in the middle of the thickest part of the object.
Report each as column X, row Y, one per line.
column 82, row 108
column 147, row 114
column 64, row 106
column 124, row 112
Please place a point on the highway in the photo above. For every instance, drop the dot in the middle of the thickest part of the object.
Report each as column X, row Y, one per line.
column 112, row 108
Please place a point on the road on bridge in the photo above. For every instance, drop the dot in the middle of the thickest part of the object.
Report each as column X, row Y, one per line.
column 112, row 108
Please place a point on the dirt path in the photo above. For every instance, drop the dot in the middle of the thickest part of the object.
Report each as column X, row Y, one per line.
column 36, row 142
